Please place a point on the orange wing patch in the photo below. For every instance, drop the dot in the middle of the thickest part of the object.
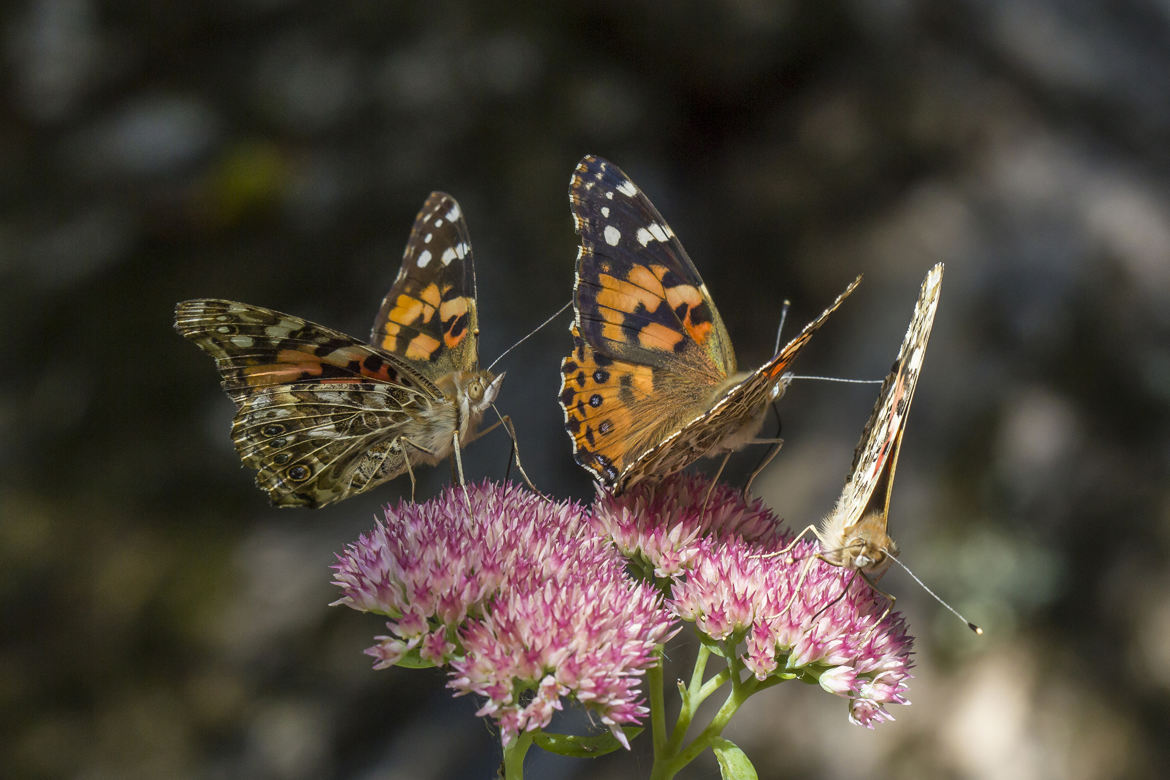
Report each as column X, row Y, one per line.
column 421, row 347
column 690, row 305
column 648, row 305
column 455, row 314
column 413, row 314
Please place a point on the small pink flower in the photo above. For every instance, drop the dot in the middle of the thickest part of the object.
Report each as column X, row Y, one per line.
column 521, row 598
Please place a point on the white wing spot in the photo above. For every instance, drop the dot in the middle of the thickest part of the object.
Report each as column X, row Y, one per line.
column 224, row 329
column 427, row 238
column 424, row 258
column 453, row 214
column 609, row 195
column 438, row 223
column 643, row 236
column 658, row 232
column 627, row 188
column 461, row 250
column 242, row 341
column 612, row 235
column 448, row 256
column 605, row 211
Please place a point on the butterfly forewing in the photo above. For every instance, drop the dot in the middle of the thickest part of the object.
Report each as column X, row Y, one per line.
column 255, row 347
column 637, row 294
column 429, row 314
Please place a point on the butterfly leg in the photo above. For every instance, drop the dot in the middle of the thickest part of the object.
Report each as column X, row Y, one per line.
column 711, row 487
column 787, row 549
column 402, row 443
column 409, row 472
column 796, row 590
column 844, row 590
column 772, row 453
column 889, row 596
column 506, row 421
column 776, row 440
column 804, row 571
column 458, row 460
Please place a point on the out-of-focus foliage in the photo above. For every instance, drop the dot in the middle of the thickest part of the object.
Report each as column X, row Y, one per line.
column 161, row 620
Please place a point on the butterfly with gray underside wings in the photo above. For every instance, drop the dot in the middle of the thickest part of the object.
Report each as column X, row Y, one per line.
column 322, row 416
column 855, row 533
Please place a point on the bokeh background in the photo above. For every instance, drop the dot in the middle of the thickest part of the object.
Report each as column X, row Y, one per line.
column 160, row 620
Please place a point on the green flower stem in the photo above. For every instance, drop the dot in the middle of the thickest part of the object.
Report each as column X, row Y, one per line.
column 514, row 753
column 668, row 762
column 700, row 667
column 707, row 737
column 692, row 696
column 709, row 687
column 657, row 704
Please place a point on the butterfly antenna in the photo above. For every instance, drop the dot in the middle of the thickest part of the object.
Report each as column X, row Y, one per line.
column 780, row 327
column 836, row 379
column 955, row 612
column 530, row 334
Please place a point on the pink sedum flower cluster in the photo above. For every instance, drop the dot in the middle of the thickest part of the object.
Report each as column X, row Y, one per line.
column 521, row 598
column 835, row 629
column 528, row 602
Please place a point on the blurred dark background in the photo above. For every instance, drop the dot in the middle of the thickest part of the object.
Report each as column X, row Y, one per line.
column 160, row 620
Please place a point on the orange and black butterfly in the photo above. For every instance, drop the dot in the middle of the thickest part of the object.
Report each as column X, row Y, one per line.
column 651, row 384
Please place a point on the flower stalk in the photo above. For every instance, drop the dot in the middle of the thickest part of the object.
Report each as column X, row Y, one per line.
column 514, row 753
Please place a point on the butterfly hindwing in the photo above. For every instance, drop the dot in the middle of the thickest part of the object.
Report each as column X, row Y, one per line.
column 614, row 410
column 319, row 444
column 881, row 441
column 429, row 315
column 308, row 398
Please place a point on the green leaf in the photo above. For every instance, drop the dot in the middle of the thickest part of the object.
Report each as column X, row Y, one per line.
column 412, row 660
column 733, row 762
column 715, row 647
column 583, row 747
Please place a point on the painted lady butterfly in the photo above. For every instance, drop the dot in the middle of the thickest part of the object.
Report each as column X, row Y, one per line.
column 651, row 383
column 322, row 416
column 854, row 535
